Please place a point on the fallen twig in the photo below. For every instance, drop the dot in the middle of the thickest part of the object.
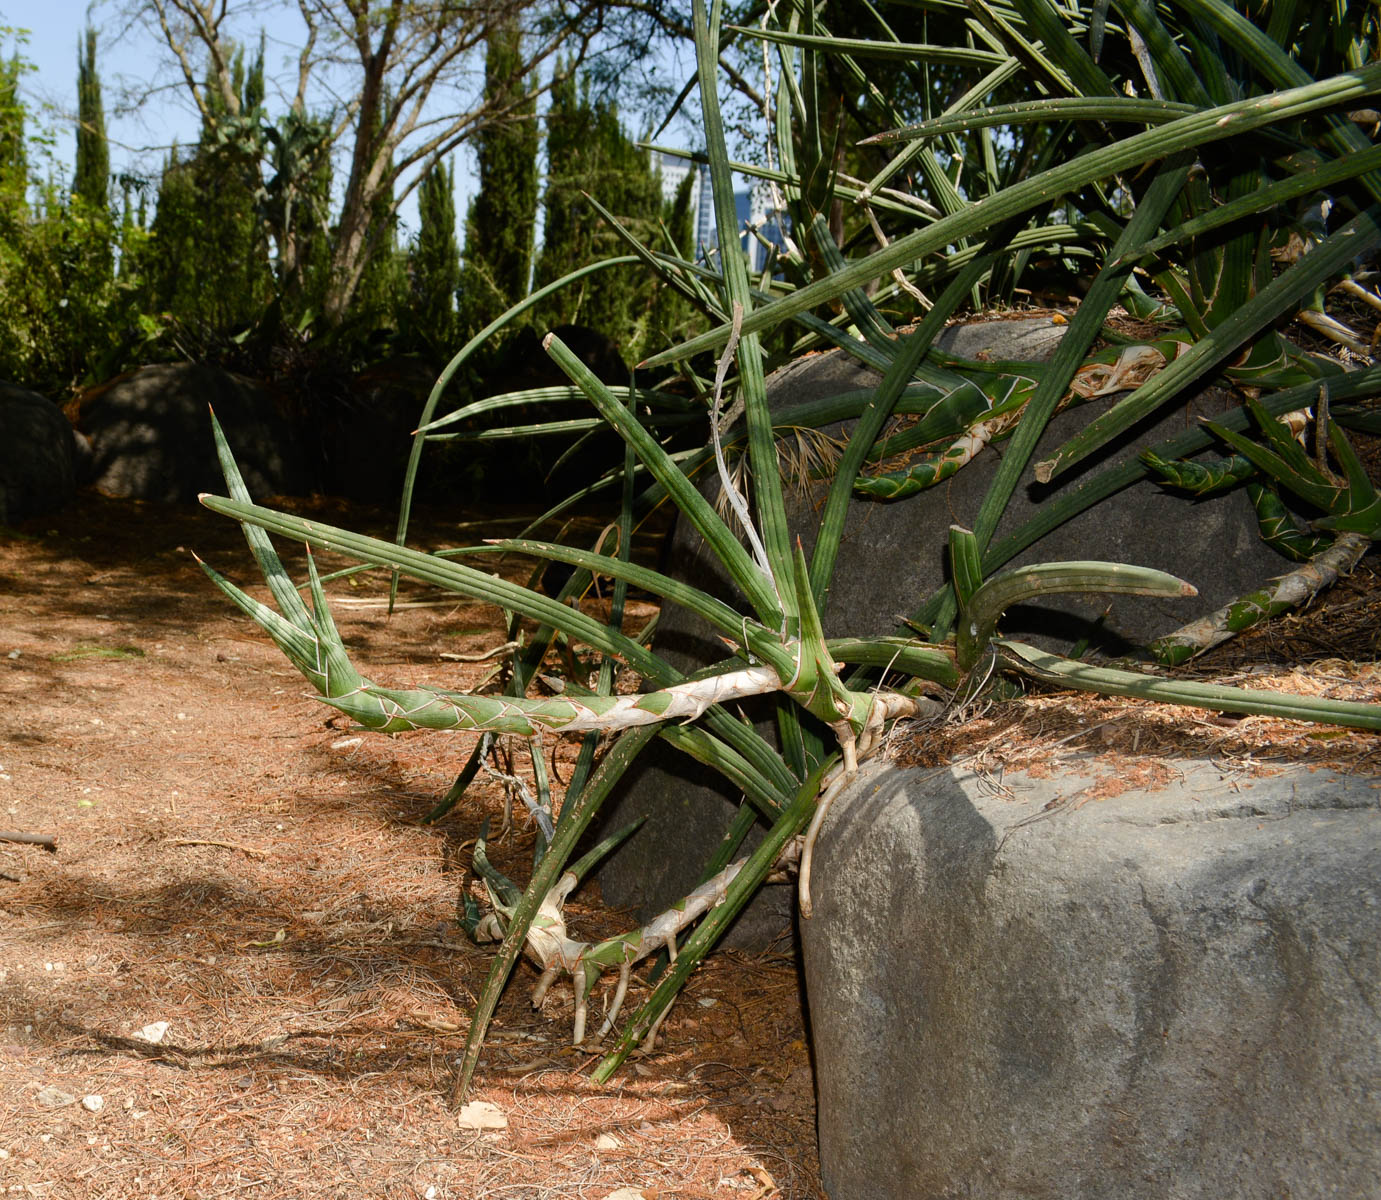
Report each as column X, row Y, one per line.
column 482, row 655
column 47, row 841
column 250, row 850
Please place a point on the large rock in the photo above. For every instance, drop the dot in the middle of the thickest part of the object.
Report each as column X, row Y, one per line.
column 1164, row 994
column 151, row 434
column 38, row 455
column 891, row 557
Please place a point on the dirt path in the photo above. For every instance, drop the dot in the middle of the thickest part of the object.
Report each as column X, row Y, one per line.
column 235, row 863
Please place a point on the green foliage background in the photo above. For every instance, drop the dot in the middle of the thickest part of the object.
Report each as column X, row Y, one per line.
column 225, row 255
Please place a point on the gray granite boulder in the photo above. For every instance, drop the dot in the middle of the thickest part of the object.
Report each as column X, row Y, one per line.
column 891, row 557
column 1170, row 993
column 38, row 455
column 150, row 432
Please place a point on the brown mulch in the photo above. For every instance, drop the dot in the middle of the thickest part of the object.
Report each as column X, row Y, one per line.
column 234, row 861
column 1328, row 650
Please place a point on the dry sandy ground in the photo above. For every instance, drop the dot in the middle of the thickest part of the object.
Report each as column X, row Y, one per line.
column 234, row 864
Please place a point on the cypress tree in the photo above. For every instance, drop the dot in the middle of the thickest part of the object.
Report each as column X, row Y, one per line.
column 383, row 285
column 91, row 180
column 253, row 90
column 19, row 323
column 562, row 241
column 434, row 265
column 207, row 262
column 671, row 311
column 14, row 160
column 588, row 151
column 502, row 219
column 298, row 207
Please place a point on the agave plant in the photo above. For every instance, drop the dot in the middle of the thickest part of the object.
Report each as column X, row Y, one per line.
column 1173, row 226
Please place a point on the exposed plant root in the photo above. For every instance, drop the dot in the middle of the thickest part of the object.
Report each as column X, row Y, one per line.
column 887, row 706
column 556, row 954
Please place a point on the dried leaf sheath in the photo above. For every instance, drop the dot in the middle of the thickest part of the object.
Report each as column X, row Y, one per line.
column 1280, row 595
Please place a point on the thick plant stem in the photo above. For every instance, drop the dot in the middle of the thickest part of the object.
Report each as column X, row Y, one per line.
column 390, row 711
column 1279, row 595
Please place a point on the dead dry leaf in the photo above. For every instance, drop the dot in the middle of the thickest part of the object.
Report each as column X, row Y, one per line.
column 480, row 1114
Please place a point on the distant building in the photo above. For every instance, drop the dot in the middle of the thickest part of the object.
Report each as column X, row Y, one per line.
column 706, row 234
column 753, row 210
column 673, row 169
column 757, row 213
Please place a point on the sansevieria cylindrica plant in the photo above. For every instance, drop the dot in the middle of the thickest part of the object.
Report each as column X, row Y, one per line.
column 1098, row 135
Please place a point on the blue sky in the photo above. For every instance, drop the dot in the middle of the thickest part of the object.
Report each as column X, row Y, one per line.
column 133, row 63
column 139, row 139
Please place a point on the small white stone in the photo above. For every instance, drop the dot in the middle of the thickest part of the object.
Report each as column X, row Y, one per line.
column 93, row 1103
column 607, row 1141
column 153, row 1033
